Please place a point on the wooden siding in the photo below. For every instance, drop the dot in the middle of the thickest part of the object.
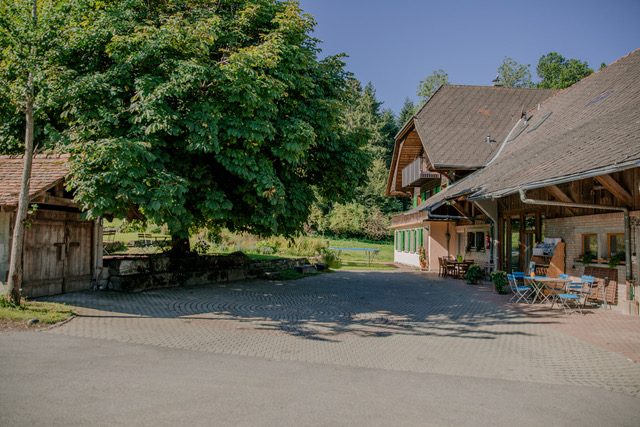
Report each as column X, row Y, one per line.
column 58, row 252
column 410, row 149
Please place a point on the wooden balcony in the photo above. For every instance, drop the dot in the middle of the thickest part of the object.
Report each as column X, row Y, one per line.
column 417, row 173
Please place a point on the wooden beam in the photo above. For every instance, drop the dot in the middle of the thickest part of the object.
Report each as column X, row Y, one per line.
column 616, row 189
column 559, row 195
column 457, row 206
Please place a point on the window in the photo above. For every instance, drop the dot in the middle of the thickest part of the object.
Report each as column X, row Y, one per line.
column 471, row 241
column 590, row 244
column 615, row 244
column 479, row 240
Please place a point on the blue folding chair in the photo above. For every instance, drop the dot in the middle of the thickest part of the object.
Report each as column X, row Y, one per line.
column 582, row 288
column 575, row 291
column 519, row 292
column 557, row 289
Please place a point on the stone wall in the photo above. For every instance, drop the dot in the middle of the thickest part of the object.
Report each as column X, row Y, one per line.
column 135, row 274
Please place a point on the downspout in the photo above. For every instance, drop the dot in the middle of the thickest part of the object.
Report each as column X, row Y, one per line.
column 491, row 225
column 627, row 227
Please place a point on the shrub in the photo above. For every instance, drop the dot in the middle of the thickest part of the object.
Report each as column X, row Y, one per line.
column 330, row 258
column 474, row 273
column 267, row 244
column 347, row 220
column 376, row 226
column 266, row 250
column 499, row 279
column 200, row 247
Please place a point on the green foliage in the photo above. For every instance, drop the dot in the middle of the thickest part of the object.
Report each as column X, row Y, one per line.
column 347, row 220
column 474, row 273
column 330, row 258
column 199, row 114
column 422, row 252
column 266, row 247
column 587, row 258
column 431, row 83
column 409, row 109
column 201, row 247
column 513, row 74
column 46, row 313
column 616, row 259
column 500, row 281
column 557, row 72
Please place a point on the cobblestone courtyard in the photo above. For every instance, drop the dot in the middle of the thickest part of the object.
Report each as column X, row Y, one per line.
column 401, row 321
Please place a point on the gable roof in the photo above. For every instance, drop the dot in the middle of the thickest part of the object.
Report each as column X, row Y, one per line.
column 589, row 129
column 453, row 124
column 47, row 171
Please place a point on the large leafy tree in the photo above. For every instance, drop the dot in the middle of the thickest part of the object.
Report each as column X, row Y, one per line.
column 556, row 72
column 206, row 113
column 513, row 74
column 431, row 83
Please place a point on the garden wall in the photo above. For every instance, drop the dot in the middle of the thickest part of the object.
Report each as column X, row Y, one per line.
column 135, row 274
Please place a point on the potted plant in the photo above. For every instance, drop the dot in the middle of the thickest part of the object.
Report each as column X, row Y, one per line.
column 616, row 259
column 473, row 274
column 587, row 258
column 423, row 256
column 499, row 279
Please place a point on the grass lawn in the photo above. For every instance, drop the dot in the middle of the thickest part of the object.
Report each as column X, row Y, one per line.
column 17, row 318
column 385, row 248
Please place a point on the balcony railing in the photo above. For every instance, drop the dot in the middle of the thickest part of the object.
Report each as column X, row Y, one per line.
column 416, row 173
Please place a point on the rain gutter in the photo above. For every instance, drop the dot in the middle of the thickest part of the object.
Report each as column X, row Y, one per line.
column 627, row 227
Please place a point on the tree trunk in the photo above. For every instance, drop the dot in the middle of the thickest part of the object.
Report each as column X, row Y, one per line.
column 14, row 281
column 15, row 265
column 180, row 246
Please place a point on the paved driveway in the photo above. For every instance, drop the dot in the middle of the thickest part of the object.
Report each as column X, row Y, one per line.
column 415, row 335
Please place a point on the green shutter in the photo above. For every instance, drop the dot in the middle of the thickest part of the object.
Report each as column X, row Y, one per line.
column 415, row 201
column 412, row 240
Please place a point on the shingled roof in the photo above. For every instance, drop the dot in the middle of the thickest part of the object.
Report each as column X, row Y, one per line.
column 452, row 127
column 47, row 171
column 454, row 123
column 589, row 129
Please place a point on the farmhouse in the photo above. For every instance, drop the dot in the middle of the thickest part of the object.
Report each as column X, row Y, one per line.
column 565, row 175
column 451, row 136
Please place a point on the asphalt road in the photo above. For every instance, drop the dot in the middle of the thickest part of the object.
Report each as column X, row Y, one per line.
column 123, row 362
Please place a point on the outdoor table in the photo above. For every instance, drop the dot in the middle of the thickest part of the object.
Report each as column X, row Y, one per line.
column 370, row 253
column 539, row 283
column 459, row 268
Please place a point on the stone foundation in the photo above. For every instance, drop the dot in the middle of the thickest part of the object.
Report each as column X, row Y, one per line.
column 135, row 274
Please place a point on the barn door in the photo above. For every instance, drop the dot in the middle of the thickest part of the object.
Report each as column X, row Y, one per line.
column 77, row 260
column 42, row 269
column 57, row 257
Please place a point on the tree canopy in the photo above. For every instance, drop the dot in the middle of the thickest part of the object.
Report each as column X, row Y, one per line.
column 513, row 74
column 431, row 83
column 200, row 113
column 556, row 72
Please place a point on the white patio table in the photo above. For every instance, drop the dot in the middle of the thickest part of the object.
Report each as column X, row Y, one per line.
column 539, row 283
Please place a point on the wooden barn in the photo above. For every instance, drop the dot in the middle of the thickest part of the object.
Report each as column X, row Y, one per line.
column 62, row 253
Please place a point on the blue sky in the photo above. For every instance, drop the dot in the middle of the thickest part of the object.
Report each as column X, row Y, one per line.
column 396, row 43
